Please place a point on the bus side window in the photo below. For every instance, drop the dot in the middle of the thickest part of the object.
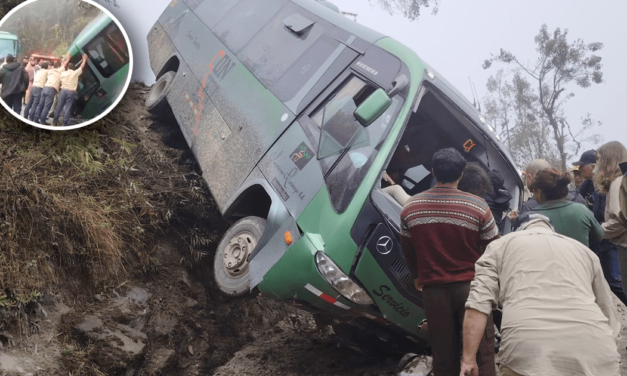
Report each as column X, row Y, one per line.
column 108, row 51
column 345, row 148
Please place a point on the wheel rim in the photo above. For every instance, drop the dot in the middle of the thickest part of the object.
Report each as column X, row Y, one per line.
column 236, row 253
column 156, row 92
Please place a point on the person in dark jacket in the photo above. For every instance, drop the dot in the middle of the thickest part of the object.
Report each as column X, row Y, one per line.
column 475, row 180
column 498, row 200
column 14, row 81
column 605, row 249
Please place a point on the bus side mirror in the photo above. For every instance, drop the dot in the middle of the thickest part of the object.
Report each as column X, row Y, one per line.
column 373, row 107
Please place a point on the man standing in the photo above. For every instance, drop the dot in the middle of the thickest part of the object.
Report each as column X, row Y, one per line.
column 52, row 86
column 558, row 313
column 444, row 231
column 14, row 83
column 605, row 249
column 38, row 86
column 69, row 84
column 31, row 69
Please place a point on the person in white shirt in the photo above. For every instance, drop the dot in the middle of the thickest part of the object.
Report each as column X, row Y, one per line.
column 38, row 86
column 69, row 84
column 52, row 86
column 558, row 314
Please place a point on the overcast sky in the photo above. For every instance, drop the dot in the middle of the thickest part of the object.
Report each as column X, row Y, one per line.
column 463, row 34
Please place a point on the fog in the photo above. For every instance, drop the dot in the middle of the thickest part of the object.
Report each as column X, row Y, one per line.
column 463, row 34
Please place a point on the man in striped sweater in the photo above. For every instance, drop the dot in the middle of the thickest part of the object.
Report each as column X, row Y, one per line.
column 444, row 232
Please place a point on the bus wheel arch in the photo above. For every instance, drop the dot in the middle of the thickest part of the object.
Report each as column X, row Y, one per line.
column 156, row 99
column 172, row 65
column 253, row 201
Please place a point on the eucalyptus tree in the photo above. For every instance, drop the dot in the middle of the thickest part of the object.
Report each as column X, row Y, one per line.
column 559, row 67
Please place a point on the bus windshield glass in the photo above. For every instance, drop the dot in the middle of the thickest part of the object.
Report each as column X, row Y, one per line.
column 7, row 46
column 108, row 51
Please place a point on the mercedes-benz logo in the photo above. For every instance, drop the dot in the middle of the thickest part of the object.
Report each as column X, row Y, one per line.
column 384, row 245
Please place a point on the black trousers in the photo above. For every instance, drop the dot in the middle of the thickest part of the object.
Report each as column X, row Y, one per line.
column 445, row 309
column 14, row 101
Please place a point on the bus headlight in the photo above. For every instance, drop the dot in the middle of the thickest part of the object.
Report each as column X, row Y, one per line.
column 340, row 281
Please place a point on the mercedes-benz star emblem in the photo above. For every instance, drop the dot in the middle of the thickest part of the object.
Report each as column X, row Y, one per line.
column 384, row 245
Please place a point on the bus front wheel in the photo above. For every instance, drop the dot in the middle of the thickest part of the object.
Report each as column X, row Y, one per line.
column 230, row 266
column 156, row 100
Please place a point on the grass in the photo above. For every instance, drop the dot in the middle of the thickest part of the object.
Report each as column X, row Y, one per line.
column 80, row 208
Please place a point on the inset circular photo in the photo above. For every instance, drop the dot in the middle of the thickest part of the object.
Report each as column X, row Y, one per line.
column 64, row 64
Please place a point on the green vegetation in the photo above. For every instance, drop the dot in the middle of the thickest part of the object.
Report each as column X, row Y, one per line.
column 82, row 208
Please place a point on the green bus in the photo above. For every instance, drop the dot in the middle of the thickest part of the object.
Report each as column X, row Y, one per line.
column 107, row 70
column 294, row 113
column 9, row 44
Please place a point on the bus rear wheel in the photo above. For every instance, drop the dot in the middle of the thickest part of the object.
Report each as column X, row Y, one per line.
column 156, row 100
column 230, row 266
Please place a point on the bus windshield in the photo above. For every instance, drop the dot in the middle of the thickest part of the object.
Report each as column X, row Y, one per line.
column 7, row 46
column 108, row 51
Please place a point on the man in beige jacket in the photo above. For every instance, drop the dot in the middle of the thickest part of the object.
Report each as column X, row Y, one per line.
column 558, row 314
column 69, row 84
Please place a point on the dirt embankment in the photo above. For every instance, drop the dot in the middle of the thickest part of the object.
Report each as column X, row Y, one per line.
column 107, row 264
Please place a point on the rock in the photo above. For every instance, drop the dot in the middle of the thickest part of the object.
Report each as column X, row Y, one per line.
column 190, row 303
column 159, row 360
column 138, row 294
column 90, row 324
column 163, row 324
column 119, row 346
column 183, row 280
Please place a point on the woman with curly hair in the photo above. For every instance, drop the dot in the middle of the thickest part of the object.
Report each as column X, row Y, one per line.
column 550, row 189
column 607, row 181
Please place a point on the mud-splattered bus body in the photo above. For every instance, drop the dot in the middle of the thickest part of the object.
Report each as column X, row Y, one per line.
column 107, row 68
column 293, row 113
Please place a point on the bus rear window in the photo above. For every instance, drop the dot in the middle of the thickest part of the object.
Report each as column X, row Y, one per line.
column 108, row 51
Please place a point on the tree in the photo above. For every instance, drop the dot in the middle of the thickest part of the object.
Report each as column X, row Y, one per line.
column 50, row 26
column 7, row 5
column 508, row 111
column 408, row 8
column 559, row 66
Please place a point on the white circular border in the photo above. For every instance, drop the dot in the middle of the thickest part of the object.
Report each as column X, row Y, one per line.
column 106, row 112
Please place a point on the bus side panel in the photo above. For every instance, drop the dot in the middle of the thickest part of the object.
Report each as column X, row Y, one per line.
column 228, row 117
column 160, row 48
column 111, row 90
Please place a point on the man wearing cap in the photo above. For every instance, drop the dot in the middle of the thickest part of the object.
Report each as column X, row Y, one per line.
column 576, row 178
column 558, row 314
column 51, row 88
column 605, row 249
column 69, row 84
column 14, row 82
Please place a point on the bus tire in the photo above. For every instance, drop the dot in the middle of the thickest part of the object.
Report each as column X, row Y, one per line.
column 156, row 100
column 230, row 266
